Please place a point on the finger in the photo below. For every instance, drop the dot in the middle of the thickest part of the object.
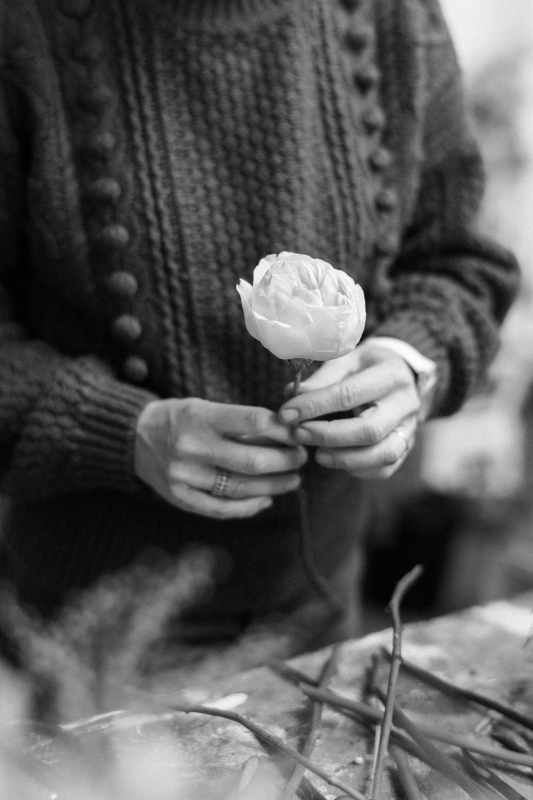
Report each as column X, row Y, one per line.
column 369, row 428
column 200, row 476
column 238, row 420
column 199, row 502
column 331, row 372
column 355, row 390
column 359, row 460
column 328, row 373
column 245, row 458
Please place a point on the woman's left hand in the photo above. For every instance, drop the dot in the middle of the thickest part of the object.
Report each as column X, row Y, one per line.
column 379, row 388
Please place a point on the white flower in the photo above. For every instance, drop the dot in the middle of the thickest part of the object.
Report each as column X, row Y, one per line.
column 301, row 307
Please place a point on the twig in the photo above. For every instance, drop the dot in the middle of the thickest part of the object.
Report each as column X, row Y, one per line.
column 327, row 672
column 270, row 739
column 291, row 674
column 503, row 733
column 442, row 762
column 493, row 781
column 405, row 774
column 401, row 588
column 453, row 690
column 457, row 740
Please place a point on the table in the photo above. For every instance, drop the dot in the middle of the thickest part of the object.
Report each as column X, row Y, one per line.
column 485, row 648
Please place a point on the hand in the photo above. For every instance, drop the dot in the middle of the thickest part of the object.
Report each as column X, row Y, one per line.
column 379, row 388
column 181, row 446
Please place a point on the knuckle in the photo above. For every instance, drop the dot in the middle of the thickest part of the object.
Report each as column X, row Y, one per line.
column 189, row 408
column 347, row 396
column 177, row 472
column 258, row 420
column 184, row 445
column 327, row 439
column 253, row 464
column 374, row 431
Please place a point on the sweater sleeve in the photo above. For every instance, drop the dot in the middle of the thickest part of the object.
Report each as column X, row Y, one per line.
column 449, row 286
column 65, row 423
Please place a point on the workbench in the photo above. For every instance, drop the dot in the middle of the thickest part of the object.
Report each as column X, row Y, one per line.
column 484, row 648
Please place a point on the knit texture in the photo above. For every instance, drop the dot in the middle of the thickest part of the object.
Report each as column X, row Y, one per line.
column 151, row 153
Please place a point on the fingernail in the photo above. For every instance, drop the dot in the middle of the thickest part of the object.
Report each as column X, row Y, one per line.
column 324, row 458
column 289, row 415
column 302, row 435
column 265, row 504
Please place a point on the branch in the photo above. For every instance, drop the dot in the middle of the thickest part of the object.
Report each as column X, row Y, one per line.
column 401, row 588
column 442, row 762
column 327, row 672
column 452, row 690
column 405, row 774
column 271, row 740
column 370, row 714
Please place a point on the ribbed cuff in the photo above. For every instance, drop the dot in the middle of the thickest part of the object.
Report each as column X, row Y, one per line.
column 103, row 439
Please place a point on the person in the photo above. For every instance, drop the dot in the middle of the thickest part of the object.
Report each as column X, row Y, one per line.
column 151, row 153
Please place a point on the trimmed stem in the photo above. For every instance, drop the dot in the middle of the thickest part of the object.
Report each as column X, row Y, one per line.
column 442, row 762
column 269, row 739
column 401, row 588
column 327, row 673
column 405, row 774
column 452, row 690
column 457, row 740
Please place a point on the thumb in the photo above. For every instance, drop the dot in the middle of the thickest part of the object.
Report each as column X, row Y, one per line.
column 331, row 372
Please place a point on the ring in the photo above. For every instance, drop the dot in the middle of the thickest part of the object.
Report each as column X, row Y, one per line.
column 403, row 436
column 220, row 489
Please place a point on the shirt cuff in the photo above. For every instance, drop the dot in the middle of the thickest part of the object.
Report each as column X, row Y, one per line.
column 425, row 369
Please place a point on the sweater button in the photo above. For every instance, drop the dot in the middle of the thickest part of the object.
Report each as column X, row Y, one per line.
column 135, row 369
column 104, row 189
column 357, row 40
column 373, row 119
column 114, row 235
column 381, row 159
column 386, row 200
column 102, row 143
column 127, row 328
column 366, row 78
column 123, row 283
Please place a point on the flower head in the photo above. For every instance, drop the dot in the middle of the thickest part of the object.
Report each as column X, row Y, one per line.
column 301, row 307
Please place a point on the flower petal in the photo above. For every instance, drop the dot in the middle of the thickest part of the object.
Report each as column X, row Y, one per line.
column 245, row 292
column 282, row 340
column 263, row 267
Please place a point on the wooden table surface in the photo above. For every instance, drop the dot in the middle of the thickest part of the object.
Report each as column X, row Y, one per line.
column 485, row 648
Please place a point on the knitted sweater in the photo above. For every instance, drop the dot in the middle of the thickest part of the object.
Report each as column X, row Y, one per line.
column 151, row 152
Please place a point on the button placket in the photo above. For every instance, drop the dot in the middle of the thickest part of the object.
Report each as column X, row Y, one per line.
column 359, row 44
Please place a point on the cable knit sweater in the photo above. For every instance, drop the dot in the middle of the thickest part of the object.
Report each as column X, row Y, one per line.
column 151, row 152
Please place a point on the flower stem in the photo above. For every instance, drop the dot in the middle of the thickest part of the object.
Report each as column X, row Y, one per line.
column 401, row 588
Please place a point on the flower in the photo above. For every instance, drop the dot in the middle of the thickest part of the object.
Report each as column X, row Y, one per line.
column 301, row 307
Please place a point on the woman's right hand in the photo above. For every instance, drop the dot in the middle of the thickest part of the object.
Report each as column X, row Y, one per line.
column 181, row 445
